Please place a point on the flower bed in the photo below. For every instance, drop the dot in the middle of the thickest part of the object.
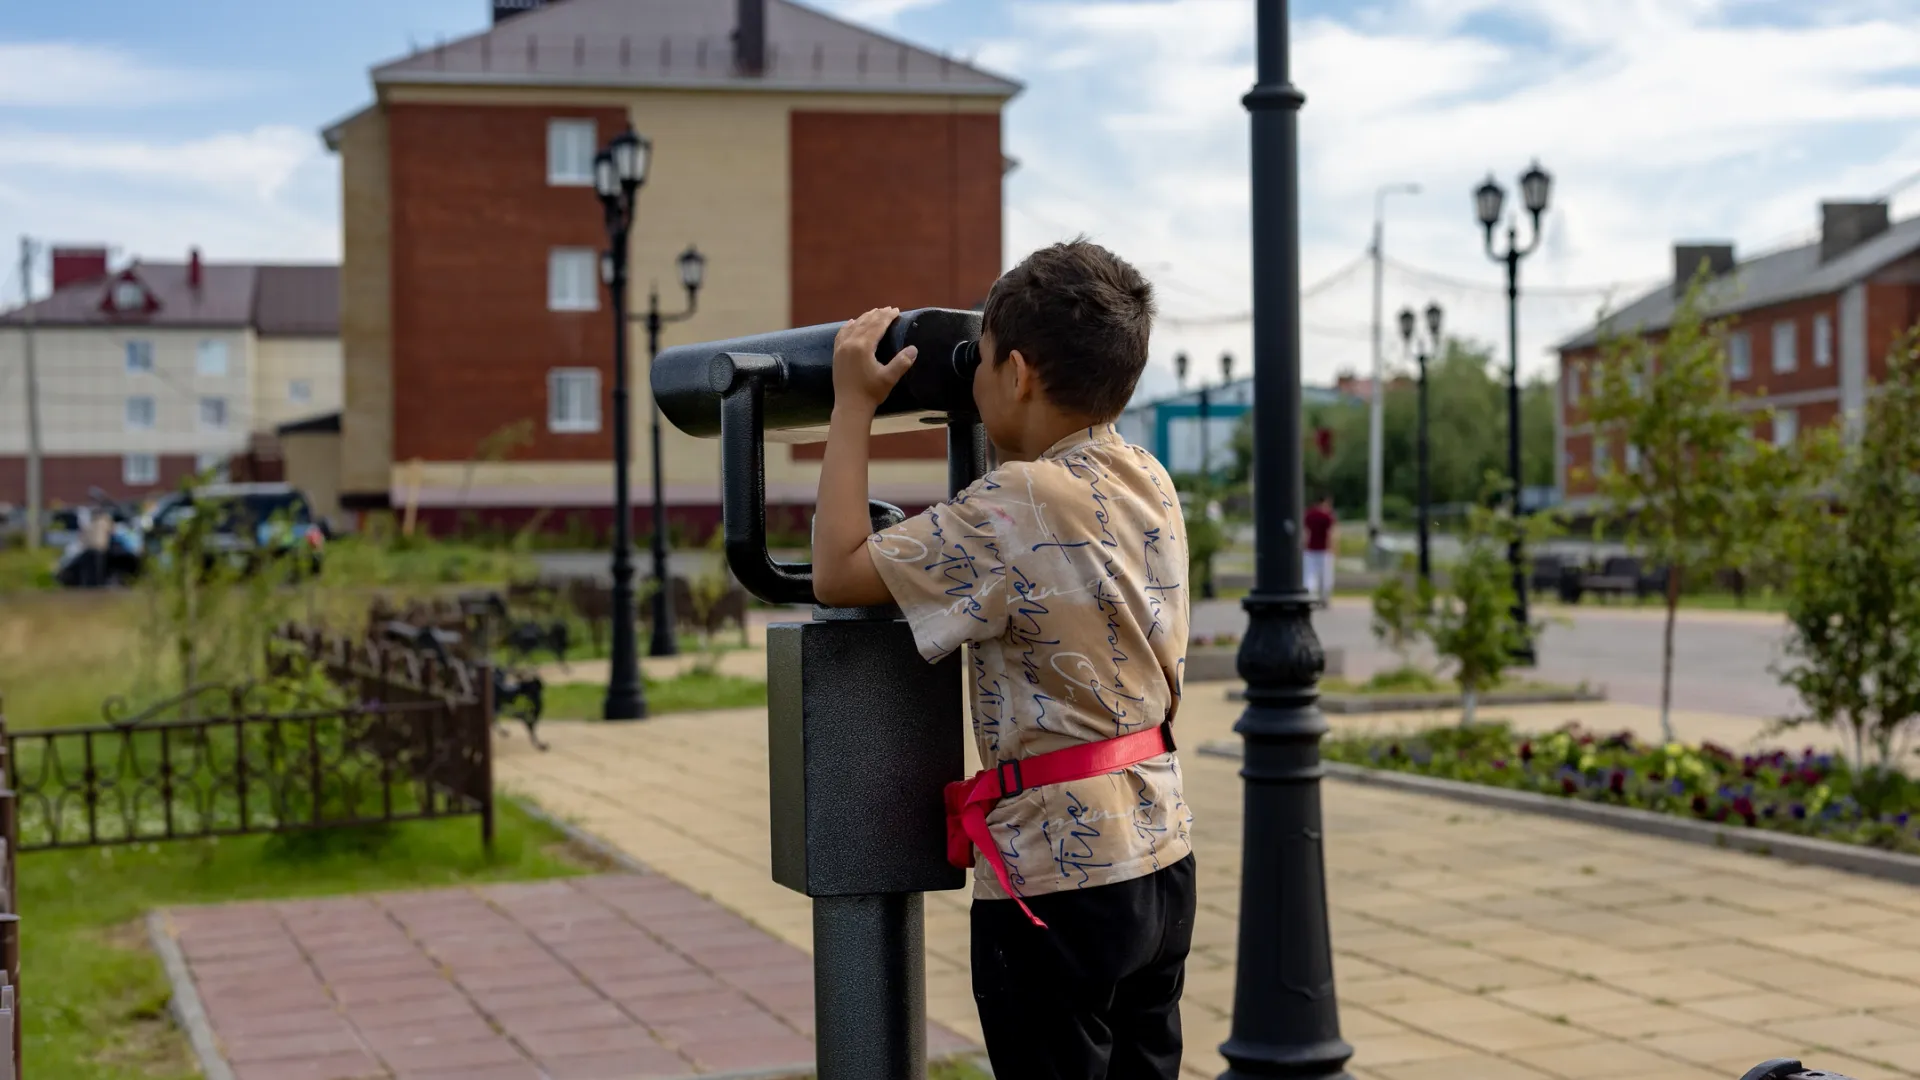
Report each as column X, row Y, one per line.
column 1809, row 793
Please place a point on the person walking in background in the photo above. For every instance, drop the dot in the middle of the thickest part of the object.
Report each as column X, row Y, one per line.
column 1320, row 524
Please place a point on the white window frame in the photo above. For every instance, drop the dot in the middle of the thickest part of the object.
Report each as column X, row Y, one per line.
column 1573, row 384
column 1786, row 426
column 1786, row 360
column 128, row 295
column 570, row 149
column 213, row 460
column 300, row 391
column 139, row 470
column 212, row 359
column 1739, row 355
column 558, row 380
column 152, row 411
column 568, row 270
column 1823, row 340
column 1602, row 463
column 200, row 413
column 1633, row 458
column 139, row 352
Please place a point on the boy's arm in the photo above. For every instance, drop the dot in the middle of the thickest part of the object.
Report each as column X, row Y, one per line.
column 843, row 572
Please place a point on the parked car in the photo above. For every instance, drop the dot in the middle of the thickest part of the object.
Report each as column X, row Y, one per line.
column 255, row 523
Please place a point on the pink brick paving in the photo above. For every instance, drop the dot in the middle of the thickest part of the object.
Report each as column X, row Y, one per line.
column 619, row 977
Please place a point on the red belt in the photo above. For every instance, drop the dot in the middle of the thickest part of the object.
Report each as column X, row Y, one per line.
column 969, row 801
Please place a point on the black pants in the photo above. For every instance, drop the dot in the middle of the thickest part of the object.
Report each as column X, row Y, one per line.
column 1096, row 995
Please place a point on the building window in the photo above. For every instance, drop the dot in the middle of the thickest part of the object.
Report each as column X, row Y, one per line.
column 573, row 399
column 1784, row 359
column 571, row 284
column 129, row 296
column 1786, row 427
column 1633, row 458
column 212, row 359
column 139, row 357
column 300, row 390
column 213, row 465
column 1739, row 355
column 139, row 470
column 570, row 152
column 1822, row 341
column 139, row 412
column 213, row 413
column 1601, row 463
column 1573, row 384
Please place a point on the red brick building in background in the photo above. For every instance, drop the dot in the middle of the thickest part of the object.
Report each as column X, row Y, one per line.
column 1809, row 328
column 821, row 169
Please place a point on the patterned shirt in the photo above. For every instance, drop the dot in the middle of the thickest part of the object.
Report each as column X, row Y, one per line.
column 1067, row 576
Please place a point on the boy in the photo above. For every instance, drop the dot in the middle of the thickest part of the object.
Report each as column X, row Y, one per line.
column 1318, row 571
column 1064, row 568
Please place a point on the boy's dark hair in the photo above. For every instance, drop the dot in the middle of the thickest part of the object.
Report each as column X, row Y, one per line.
column 1081, row 316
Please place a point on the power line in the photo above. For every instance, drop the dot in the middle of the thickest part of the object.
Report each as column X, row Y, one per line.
column 1471, row 285
column 1238, row 317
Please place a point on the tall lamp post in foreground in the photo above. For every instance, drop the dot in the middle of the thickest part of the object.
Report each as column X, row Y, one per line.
column 618, row 172
column 1285, row 1019
column 1424, row 351
column 1488, row 199
column 693, row 271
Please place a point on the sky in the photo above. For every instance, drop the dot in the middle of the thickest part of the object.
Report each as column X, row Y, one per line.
column 123, row 122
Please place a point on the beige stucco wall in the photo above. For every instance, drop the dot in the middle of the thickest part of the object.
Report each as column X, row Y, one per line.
column 279, row 363
column 84, row 386
column 719, row 179
column 366, row 306
column 312, row 463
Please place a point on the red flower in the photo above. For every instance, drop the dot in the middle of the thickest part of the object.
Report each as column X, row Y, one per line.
column 1499, row 763
column 1744, row 807
column 1526, row 751
column 1699, row 804
column 1617, row 782
column 1566, row 784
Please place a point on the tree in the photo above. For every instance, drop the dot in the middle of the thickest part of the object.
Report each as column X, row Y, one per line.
column 1472, row 624
column 1853, row 608
column 1400, row 605
column 1701, row 491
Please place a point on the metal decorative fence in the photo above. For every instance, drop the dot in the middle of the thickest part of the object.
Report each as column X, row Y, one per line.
column 396, row 737
column 9, row 916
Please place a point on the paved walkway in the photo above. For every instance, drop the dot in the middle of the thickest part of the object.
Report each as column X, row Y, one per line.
column 1468, row 942
column 622, row 977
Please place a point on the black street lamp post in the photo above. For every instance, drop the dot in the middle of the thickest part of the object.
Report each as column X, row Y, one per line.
column 693, row 271
column 1488, row 199
column 1286, row 1022
column 1424, row 351
column 618, row 172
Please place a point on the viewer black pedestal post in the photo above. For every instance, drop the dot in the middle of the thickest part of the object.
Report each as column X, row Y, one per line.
column 1285, row 1020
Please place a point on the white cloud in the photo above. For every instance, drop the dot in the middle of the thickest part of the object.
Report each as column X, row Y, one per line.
column 1660, row 119
column 259, row 162
column 57, row 74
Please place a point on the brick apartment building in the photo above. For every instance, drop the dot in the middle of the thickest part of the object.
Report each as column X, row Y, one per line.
column 157, row 370
column 821, row 168
column 1809, row 328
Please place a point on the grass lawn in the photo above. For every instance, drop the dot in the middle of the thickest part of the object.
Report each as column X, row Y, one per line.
column 1411, row 680
column 691, row 692
column 95, row 997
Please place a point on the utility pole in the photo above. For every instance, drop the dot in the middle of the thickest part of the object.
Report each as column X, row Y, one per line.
column 34, row 496
column 1377, row 417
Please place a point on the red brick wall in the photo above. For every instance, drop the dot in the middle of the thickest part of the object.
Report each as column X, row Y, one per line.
column 473, row 223
column 1891, row 308
column 893, row 208
column 65, row 479
column 1805, row 375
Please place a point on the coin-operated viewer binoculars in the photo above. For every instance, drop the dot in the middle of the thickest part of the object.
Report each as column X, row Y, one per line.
column 862, row 734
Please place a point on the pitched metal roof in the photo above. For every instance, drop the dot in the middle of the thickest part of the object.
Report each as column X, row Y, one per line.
column 1774, row 278
column 297, row 301
column 688, row 44
column 302, row 301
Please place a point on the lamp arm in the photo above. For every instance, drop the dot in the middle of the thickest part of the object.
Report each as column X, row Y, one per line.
column 1534, row 240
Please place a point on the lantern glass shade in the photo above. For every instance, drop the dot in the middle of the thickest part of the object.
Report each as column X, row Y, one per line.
column 605, row 182
column 1535, row 186
column 1433, row 322
column 631, row 153
column 1180, row 366
column 1487, row 201
column 693, row 268
column 1226, row 367
column 1406, row 324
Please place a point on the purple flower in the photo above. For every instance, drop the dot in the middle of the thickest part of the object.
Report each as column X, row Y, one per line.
column 1799, row 811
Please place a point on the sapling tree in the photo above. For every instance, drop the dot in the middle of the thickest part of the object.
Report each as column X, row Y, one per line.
column 1698, row 492
column 1472, row 625
column 1401, row 603
column 1853, row 601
